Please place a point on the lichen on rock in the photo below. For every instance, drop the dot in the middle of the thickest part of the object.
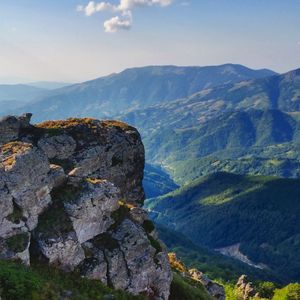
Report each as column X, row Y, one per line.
column 73, row 189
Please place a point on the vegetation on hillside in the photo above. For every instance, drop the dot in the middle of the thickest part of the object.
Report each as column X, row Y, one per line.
column 185, row 289
column 260, row 214
column 157, row 182
column 216, row 266
column 41, row 282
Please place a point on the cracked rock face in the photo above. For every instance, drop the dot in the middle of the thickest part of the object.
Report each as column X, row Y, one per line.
column 91, row 211
column 59, row 147
column 73, row 189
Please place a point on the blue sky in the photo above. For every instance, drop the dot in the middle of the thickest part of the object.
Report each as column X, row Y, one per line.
column 51, row 40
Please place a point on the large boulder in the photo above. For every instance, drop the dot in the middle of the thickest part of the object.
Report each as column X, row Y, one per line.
column 10, row 127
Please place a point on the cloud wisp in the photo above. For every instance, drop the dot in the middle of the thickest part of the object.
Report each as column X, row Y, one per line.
column 123, row 19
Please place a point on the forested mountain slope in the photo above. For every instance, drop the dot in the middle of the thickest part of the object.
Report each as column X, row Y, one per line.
column 238, row 127
column 257, row 215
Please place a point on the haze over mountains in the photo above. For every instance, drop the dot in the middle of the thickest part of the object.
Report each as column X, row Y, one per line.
column 16, row 95
column 13, row 96
column 135, row 88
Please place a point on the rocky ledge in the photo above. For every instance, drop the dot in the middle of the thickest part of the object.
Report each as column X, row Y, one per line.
column 71, row 196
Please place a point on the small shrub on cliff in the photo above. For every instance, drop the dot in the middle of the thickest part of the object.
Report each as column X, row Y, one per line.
column 266, row 289
column 148, row 226
column 18, row 243
column 55, row 219
column 17, row 214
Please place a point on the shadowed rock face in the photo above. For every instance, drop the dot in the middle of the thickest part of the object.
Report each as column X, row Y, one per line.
column 10, row 127
column 74, row 189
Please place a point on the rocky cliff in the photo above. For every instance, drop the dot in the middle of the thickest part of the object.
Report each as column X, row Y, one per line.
column 71, row 196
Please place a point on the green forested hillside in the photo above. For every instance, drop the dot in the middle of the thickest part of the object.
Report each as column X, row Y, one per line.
column 216, row 266
column 282, row 160
column 239, row 122
column 237, row 129
column 157, row 182
column 260, row 214
column 245, row 142
column 277, row 92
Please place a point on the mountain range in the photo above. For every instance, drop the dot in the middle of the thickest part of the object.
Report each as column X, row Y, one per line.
column 242, row 123
column 134, row 89
column 207, row 131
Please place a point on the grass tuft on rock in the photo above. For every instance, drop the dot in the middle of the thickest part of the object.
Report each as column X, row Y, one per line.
column 18, row 243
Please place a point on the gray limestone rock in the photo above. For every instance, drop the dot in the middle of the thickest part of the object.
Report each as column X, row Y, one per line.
column 25, row 172
column 10, row 127
column 91, row 211
column 59, row 146
column 64, row 251
column 146, row 265
column 73, row 190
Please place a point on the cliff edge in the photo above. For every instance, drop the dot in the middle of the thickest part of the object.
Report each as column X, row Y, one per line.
column 71, row 195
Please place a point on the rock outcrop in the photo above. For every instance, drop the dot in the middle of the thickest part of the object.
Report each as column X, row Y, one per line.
column 245, row 289
column 71, row 194
column 214, row 289
column 11, row 126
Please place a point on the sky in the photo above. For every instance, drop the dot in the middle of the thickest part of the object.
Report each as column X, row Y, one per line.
column 78, row 40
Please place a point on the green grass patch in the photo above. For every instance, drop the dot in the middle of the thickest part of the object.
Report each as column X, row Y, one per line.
column 18, row 242
column 185, row 289
column 17, row 214
column 55, row 219
column 41, row 282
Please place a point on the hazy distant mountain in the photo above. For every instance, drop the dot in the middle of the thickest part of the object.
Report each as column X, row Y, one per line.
column 22, row 92
column 48, row 85
column 136, row 88
column 16, row 95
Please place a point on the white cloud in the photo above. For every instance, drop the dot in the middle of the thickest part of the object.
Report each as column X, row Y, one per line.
column 93, row 7
column 124, row 8
column 119, row 22
column 129, row 4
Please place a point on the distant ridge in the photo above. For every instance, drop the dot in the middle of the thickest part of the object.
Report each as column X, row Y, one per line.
column 136, row 88
column 49, row 85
